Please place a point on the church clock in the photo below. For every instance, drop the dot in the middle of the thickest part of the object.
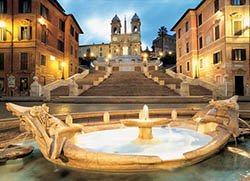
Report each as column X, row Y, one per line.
column 114, row 38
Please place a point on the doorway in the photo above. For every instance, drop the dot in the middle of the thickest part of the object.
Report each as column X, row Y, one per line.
column 24, row 86
column 239, row 85
column 1, row 86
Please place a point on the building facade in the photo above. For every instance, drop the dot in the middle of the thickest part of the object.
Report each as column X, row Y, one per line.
column 165, row 45
column 213, row 44
column 124, row 44
column 99, row 51
column 37, row 39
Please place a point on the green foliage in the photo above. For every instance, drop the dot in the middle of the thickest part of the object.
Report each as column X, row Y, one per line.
column 168, row 60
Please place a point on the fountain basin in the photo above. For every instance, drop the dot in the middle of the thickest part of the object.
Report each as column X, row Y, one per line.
column 57, row 140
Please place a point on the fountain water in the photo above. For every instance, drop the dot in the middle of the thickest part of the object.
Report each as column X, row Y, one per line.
column 109, row 148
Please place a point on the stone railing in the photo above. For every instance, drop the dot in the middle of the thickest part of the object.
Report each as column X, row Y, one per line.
column 190, row 81
column 46, row 90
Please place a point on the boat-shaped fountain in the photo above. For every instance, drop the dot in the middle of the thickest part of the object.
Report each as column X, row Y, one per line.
column 151, row 145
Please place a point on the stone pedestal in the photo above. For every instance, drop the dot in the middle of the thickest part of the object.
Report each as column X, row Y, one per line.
column 35, row 88
column 73, row 88
column 145, row 69
column 184, row 91
column 106, row 117
column 47, row 95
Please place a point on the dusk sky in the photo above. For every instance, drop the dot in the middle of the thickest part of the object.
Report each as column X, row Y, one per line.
column 94, row 16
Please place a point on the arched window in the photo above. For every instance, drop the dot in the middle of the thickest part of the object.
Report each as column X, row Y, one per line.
column 135, row 29
column 115, row 30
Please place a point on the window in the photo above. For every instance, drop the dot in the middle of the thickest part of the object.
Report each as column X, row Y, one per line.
column 217, row 32
column 71, row 49
column 3, row 6
column 24, row 61
column 238, row 2
column 201, row 42
column 188, row 66
column 72, row 30
column 76, row 54
column 43, row 60
column 187, row 26
column 239, row 54
column 60, row 45
column 25, row 33
column 44, row 35
column 3, row 35
column 24, row 6
column 187, row 47
column 76, row 36
column 100, row 54
column 217, row 58
column 200, row 19
column 180, row 68
column 71, row 67
column 201, row 63
column 179, row 33
column 216, row 6
column 61, row 25
column 179, row 52
column 1, row 61
column 237, row 28
column 44, row 12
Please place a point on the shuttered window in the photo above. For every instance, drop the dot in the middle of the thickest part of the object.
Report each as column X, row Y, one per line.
column 239, row 54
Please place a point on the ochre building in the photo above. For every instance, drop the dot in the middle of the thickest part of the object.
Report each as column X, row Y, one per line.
column 38, row 39
column 212, row 44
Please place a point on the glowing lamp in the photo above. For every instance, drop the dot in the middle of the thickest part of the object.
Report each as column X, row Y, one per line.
column 2, row 24
column 63, row 64
column 52, row 58
column 41, row 21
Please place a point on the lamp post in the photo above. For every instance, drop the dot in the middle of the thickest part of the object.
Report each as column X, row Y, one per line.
column 195, row 70
column 63, row 65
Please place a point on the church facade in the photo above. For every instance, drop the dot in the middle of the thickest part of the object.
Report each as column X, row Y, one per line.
column 125, row 44
column 124, row 52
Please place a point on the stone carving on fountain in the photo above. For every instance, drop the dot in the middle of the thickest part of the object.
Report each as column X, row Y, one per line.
column 57, row 140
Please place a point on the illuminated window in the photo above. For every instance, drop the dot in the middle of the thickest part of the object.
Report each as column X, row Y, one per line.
column 25, row 33
column 3, row 6
column 237, row 28
column 201, row 63
column 3, row 34
column 239, row 54
column 238, row 2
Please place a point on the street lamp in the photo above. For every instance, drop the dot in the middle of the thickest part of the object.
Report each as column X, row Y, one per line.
column 195, row 70
column 63, row 65
column 161, row 54
column 2, row 24
column 92, row 54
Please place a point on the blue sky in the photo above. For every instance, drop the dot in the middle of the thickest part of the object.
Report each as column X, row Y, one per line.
column 94, row 16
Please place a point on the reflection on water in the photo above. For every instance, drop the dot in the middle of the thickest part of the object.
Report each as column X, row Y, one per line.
column 222, row 166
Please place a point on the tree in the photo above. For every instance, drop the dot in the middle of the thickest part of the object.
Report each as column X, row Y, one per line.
column 162, row 32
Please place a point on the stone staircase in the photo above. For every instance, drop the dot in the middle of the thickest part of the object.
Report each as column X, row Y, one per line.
column 162, row 78
column 129, row 84
column 91, row 78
